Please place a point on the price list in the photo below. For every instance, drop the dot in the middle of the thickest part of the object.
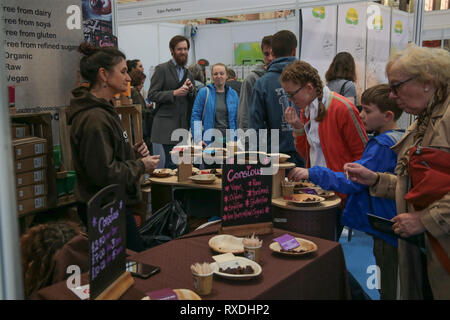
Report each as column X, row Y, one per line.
column 246, row 196
column 107, row 246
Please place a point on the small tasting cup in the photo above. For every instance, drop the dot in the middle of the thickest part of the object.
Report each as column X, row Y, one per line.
column 287, row 189
column 203, row 283
column 252, row 253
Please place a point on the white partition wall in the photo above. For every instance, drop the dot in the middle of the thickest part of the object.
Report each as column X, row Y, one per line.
column 378, row 43
column 215, row 42
column 148, row 43
column 399, row 30
column 319, row 37
column 351, row 37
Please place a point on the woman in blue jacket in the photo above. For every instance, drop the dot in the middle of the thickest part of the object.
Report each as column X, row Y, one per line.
column 215, row 107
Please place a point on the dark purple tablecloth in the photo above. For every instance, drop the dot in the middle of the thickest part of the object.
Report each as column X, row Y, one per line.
column 321, row 275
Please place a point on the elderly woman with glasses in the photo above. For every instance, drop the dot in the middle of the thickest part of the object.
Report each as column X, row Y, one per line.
column 419, row 80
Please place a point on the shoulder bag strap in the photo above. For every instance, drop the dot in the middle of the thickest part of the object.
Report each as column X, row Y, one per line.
column 342, row 88
column 206, row 100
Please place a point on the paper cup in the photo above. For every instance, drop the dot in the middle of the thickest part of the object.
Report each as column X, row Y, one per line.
column 287, row 189
column 203, row 283
column 252, row 253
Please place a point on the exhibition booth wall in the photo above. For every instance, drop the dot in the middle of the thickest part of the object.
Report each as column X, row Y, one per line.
column 364, row 29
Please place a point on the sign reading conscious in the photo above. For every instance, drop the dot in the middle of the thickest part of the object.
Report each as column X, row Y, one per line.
column 41, row 38
column 106, row 231
column 246, row 195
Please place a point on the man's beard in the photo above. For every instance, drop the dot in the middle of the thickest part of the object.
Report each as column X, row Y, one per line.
column 181, row 60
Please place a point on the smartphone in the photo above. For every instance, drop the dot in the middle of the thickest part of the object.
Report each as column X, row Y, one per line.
column 141, row 270
column 385, row 225
column 381, row 224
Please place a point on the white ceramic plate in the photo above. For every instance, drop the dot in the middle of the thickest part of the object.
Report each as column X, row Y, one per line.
column 243, row 262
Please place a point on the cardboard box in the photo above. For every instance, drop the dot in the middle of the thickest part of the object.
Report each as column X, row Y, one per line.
column 32, row 204
column 31, row 177
column 29, row 164
column 31, row 191
column 29, row 147
column 20, row 130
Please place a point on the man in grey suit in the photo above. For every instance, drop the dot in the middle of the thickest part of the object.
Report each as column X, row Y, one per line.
column 171, row 88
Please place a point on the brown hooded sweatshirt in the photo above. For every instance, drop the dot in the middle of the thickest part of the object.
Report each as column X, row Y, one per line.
column 101, row 151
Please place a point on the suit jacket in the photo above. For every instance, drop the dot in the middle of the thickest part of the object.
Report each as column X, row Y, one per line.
column 172, row 112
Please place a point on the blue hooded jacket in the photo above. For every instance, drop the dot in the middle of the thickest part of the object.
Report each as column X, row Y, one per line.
column 377, row 157
column 268, row 103
column 232, row 100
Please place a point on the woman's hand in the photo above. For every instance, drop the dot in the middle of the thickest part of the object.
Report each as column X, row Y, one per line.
column 141, row 149
column 150, row 163
column 292, row 118
column 360, row 174
column 297, row 174
column 408, row 224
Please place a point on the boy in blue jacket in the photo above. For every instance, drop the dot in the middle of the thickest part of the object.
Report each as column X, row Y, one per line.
column 379, row 114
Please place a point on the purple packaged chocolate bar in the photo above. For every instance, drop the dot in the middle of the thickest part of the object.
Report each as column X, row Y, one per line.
column 287, row 242
column 163, row 294
column 309, row 191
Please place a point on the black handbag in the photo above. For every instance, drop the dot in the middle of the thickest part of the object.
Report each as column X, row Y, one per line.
column 166, row 224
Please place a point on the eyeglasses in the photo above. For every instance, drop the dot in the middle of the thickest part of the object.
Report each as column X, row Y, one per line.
column 395, row 86
column 292, row 95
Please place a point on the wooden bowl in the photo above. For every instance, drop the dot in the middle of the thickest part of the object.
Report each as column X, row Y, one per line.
column 225, row 243
column 305, row 199
column 282, row 157
column 306, row 247
column 182, row 294
column 162, row 173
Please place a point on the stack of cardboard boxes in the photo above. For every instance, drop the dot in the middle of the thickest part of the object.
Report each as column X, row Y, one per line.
column 30, row 163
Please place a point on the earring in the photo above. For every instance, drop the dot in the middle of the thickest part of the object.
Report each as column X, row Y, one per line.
column 426, row 89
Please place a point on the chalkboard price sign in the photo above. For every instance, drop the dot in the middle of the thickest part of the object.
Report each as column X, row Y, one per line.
column 246, row 195
column 106, row 231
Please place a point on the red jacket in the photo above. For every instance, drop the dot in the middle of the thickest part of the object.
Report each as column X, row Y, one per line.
column 342, row 134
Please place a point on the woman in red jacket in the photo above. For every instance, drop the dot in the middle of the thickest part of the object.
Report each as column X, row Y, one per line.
column 329, row 131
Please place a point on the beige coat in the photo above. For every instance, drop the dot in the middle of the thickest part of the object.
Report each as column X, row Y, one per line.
column 435, row 218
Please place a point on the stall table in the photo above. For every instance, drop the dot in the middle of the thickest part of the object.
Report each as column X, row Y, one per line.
column 318, row 220
column 162, row 187
column 283, row 277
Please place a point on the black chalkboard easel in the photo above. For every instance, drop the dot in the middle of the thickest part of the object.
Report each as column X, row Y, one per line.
column 107, row 243
column 246, row 199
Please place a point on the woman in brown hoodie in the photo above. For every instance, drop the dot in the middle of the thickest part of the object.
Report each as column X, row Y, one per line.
column 102, row 153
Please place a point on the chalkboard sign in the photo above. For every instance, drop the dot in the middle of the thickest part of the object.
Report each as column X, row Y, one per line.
column 246, row 196
column 106, row 232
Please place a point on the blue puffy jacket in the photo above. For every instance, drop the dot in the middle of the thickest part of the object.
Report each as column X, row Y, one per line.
column 377, row 157
column 232, row 100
